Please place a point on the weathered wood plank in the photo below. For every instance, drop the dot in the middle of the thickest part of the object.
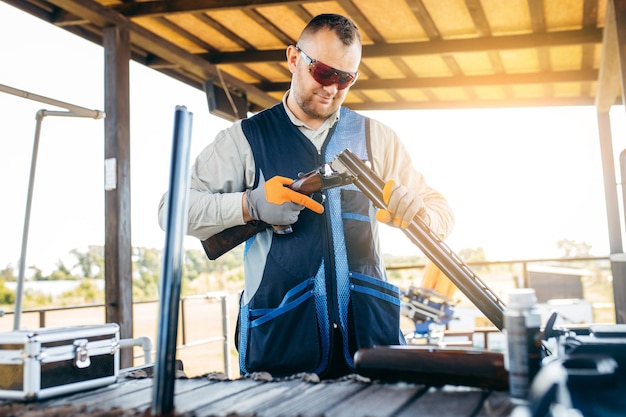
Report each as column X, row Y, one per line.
column 102, row 397
column 377, row 400
column 326, row 397
column 446, row 402
column 348, row 397
column 205, row 395
column 311, row 400
column 246, row 401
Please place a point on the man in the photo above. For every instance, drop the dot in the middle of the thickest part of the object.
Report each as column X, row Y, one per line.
column 313, row 297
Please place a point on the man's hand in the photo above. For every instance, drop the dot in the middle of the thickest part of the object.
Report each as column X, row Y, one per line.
column 276, row 204
column 403, row 204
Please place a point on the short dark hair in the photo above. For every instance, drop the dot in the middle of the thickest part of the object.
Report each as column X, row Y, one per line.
column 344, row 28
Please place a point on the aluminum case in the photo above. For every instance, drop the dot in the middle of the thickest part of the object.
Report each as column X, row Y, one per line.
column 46, row 362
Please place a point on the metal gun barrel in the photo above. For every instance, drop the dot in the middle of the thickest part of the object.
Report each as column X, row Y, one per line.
column 430, row 244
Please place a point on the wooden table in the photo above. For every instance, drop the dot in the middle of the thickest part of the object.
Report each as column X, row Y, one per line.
column 351, row 396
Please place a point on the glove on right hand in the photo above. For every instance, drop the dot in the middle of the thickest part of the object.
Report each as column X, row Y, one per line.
column 276, row 204
column 403, row 205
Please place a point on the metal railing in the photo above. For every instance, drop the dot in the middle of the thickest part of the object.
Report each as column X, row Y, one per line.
column 221, row 296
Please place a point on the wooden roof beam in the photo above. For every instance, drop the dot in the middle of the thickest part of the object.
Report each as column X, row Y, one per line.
column 551, row 77
column 472, row 104
column 435, row 47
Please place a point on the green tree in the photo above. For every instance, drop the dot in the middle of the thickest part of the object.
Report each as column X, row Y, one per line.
column 196, row 264
column 146, row 270
column 7, row 296
column 90, row 263
column 61, row 273
column 37, row 273
column 86, row 292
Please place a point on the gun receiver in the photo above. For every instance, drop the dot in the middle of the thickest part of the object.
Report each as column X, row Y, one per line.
column 312, row 182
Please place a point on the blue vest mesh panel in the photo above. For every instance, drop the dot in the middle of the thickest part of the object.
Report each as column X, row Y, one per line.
column 349, row 134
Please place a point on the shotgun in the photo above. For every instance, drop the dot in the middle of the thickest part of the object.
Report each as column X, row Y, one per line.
column 319, row 179
column 347, row 168
column 418, row 232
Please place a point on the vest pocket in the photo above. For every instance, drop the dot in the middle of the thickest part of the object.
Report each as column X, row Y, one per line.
column 373, row 312
column 284, row 340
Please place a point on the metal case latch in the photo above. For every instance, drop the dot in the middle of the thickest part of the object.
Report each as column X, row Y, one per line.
column 81, row 358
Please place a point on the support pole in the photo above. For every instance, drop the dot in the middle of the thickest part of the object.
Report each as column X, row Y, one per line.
column 171, row 271
column 117, row 202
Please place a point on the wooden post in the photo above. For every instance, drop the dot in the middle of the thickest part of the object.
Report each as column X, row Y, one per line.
column 118, row 250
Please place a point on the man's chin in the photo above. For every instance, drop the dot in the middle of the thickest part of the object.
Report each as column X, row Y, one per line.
column 323, row 111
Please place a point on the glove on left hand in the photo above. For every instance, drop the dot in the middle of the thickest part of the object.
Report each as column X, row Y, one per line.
column 403, row 204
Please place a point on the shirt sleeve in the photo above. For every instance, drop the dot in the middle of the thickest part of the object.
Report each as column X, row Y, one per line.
column 391, row 161
column 221, row 173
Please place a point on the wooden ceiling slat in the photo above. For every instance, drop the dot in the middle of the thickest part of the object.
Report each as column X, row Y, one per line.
column 477, row 13
column 225, row 31
column 590, row 13
column 185, row 33
column 422, row 16
column 269, row 26
column 537, row 16
column 362, row 23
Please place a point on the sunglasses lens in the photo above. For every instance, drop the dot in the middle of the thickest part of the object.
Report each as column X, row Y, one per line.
column 326, row 75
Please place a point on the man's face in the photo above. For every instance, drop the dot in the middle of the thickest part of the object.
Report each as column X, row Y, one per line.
column 315, row 100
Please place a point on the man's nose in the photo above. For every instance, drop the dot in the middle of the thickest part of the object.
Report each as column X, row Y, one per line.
column 332, row 89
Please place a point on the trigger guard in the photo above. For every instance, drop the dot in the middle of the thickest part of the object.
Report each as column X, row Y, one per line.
column 319, row 197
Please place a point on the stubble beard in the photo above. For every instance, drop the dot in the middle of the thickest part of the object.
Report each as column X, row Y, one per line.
column 307, row 104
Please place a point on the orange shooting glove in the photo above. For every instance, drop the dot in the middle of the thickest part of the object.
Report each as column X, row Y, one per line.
column 403, row 204
column 276, row 204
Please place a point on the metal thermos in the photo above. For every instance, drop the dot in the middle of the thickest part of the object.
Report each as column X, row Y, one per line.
column 522, row 323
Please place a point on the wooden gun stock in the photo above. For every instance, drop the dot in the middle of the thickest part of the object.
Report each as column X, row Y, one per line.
column 433, row 366
column 220, row 243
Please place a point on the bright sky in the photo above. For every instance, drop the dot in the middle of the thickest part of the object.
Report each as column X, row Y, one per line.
column 518, row 180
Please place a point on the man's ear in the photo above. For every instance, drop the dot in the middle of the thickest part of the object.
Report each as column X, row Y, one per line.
column 292, row 58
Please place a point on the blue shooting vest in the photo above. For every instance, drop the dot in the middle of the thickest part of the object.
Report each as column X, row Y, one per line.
column 327, row 273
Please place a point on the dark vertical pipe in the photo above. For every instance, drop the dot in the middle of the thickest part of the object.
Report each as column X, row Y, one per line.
column 171, row 272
